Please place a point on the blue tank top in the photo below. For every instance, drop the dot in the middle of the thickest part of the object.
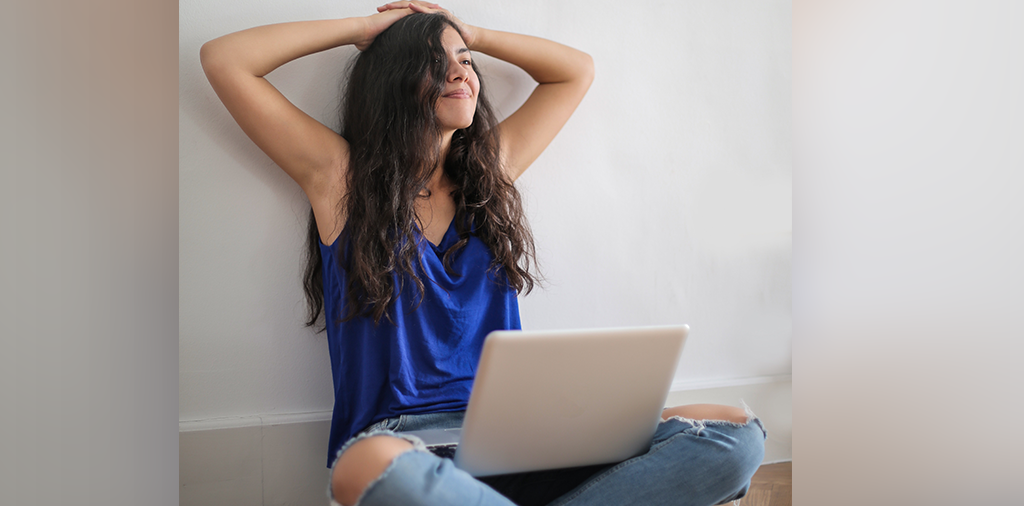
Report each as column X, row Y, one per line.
column 424, row 361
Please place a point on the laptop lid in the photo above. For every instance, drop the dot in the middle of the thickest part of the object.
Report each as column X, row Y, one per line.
column 554, row 399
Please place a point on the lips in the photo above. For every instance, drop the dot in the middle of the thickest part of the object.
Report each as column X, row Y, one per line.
column 459, row 93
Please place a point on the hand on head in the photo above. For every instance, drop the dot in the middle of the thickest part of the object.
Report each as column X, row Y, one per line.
column 378, row 23
column 411, row 4
column 468, row 34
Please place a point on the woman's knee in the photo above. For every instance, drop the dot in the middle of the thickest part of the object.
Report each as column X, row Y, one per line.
column 361, row 464
column 746, row 453
column 707, row 412
column 752, row 442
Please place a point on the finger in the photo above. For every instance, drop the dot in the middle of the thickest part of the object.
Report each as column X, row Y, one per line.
column 394, row 6
column 427, row 6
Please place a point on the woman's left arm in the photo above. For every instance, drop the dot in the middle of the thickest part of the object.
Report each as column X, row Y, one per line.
column 563, row 76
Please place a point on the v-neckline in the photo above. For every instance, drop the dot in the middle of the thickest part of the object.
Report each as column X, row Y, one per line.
column 443, row 236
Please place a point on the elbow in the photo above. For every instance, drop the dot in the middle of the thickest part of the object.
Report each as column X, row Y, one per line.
column 211, row 57
column 207, row 54
column 587, row 73
column 205, row 57
column 584, row 71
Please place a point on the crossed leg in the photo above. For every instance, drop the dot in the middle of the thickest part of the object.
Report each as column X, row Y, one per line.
column 368, row 458
column 361, row 464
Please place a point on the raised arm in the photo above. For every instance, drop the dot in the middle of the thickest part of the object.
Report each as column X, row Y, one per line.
column 563, row 76
column 312, row 154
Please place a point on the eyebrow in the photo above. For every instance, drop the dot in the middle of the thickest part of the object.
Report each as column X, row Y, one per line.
column 462, row 50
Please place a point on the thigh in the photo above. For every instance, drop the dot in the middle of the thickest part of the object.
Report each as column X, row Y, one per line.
column 689, row 462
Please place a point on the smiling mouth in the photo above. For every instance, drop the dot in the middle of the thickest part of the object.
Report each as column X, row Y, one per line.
column 457, row 94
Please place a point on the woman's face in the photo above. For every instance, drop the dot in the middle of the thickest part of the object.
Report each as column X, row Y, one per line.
column 457, row 105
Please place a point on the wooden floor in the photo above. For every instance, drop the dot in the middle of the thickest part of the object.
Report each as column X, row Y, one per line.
column 772, row 485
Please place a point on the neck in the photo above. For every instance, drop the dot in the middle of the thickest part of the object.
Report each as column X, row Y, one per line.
column 446, row 142
column 437, row 179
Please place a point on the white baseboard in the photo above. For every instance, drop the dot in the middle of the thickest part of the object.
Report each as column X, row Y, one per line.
column 234, row 422
column 279, row 459
column 682, row 385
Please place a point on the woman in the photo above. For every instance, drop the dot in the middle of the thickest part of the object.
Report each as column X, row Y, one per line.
column 418, row 247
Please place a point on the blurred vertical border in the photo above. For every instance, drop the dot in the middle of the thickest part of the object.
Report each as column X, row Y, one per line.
column 908, row 235
column 88, row 252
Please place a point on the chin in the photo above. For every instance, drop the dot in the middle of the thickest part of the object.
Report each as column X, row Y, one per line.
column 456, row 119
column 456, row 124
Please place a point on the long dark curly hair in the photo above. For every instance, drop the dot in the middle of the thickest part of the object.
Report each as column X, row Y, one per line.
column 388, row 119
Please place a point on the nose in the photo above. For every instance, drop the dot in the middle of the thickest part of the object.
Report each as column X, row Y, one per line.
column 457, row 71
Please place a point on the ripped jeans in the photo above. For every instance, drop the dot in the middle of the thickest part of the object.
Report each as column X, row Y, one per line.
column 690, row 462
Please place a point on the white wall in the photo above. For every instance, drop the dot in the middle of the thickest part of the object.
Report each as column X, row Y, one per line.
column 665, row 199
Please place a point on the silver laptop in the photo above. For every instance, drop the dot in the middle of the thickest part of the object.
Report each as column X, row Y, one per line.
column 555, row 399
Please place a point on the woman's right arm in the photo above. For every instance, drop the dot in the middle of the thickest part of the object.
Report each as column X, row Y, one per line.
column 312, row 154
